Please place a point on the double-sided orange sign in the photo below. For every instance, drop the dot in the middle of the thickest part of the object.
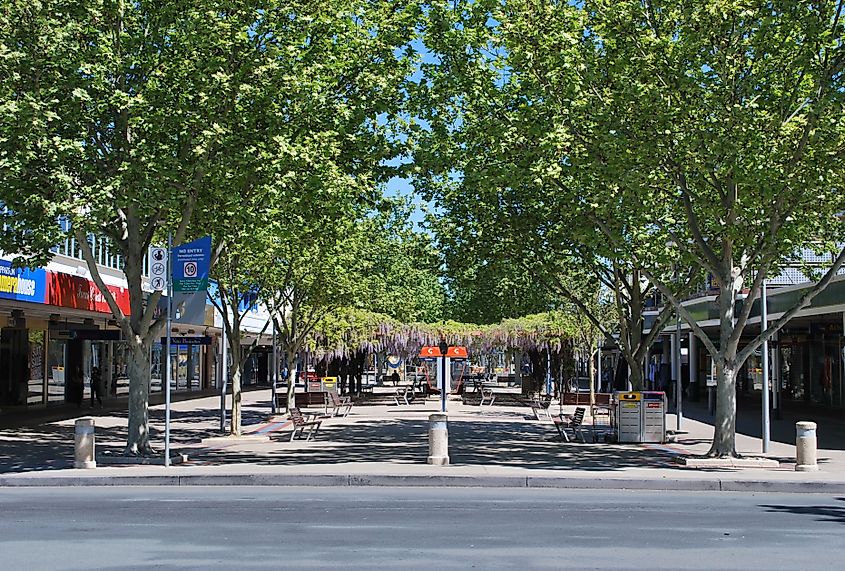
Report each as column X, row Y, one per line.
column 430, row 351
column 457, row 352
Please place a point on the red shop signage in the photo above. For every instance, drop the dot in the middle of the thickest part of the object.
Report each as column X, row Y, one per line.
column 66, row 290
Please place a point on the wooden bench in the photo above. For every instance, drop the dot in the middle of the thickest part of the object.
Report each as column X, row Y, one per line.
column 572, row 422
column 301, row 422
column 541, row 410
column 340, row 406
column 404, row 395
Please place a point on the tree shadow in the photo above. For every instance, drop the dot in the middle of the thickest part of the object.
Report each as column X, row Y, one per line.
column 830, row 432
column 489, row 443
column 826, row 513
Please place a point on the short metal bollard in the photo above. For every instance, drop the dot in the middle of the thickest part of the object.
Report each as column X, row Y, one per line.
column 805, row 447
column 83, row 445
column 438, row 439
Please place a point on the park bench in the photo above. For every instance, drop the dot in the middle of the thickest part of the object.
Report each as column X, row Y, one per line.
column 404, row 395
column 572, row 422
column 541, row 410
column 340, row 406
column 487, row 397
column 301, row 422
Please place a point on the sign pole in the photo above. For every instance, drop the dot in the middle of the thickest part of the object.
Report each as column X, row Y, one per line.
column 678, row 385
column 764, row 324
column 224, row 376
column 274, row 367
column 169, row 367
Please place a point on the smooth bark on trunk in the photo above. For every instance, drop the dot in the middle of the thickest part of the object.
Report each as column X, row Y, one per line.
column 138, row 437
column 235, row 372
column 724, row 433
column 635, row 377
column 292, row 374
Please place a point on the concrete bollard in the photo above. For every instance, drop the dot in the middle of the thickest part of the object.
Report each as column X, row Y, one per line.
column 805, row 447
column 83, row 445
column 438, row 439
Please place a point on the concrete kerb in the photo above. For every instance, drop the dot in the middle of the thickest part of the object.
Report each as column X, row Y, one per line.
column 428, row 481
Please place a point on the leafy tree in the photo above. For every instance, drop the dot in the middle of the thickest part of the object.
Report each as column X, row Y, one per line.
column 405, row 280
column 705, row 136
column 512, row 200
column 735, row 115
column 111, row 116
column 714, row 132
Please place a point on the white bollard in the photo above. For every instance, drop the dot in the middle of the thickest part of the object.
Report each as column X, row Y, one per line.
column 438, row 439
column 805, row 447
column 84, row 444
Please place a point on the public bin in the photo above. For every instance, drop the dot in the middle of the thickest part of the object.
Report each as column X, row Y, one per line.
column 628, row 416
column 328, row 384
column 654, row 416
column 641, row 416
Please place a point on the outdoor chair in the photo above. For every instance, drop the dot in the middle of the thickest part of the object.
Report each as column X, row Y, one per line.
column 340, row 405
column 301, row 422
column 404, row 395
column 487, row 397
column 572, row 422
column 542, row 411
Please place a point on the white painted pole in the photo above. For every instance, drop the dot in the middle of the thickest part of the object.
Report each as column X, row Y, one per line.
column 764, row 323
column 693, row 360
column 598, row 365
column 224, row 376
column 678, row 385
column 274, row 367
column 167, row 349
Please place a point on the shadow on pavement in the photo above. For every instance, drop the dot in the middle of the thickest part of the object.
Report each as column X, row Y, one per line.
column 829, row 513
column 830, row 433
column 470, row 443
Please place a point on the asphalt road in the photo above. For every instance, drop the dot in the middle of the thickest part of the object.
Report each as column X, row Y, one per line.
column 396, row 528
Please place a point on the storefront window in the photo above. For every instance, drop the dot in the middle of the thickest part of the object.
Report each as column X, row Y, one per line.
column 35, row 389
column 120, row 376
column 56, row 362
column 186, row 365
column 157, row 371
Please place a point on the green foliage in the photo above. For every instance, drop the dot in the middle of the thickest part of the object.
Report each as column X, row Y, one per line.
column 404, row 280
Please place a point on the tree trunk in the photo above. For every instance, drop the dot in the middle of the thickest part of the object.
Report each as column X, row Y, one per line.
column 138, row 438
column 635, row 376
column 292, row 375
column 591, row 371
column 236, row 397
column 724, row 434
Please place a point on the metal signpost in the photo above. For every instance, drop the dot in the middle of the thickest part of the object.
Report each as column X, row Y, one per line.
column 160, row 281
column 167, row 350
column 187, row 271
column 446, row 354
column 678, row 384
column 444, row 348
column 273, row 367
column 764, row 323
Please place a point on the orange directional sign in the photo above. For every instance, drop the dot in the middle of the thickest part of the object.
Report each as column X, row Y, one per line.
column 430, row 351
column 457, row 352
